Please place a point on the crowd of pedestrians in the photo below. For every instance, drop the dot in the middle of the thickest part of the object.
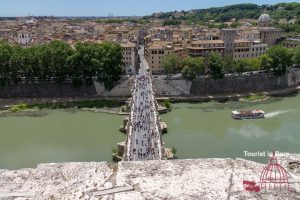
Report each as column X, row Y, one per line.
column 143, row 136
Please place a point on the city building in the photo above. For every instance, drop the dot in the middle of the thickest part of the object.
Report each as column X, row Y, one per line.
column 264, row 20
column 291, row 42
column 228, row 36
column 155, row 52
column 24, row 37
column 248, row 49
column 129, row 58
column 205, row 47
column 267, row 34
column 249, row 34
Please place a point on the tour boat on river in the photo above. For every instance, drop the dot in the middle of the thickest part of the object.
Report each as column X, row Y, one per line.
column 250, row 114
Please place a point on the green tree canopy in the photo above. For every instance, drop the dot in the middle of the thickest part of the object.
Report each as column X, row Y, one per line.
column 57, row 59
column 192, row 67
column 281, row 58
column 5, row 55
column 229, row 64
column 240, row 65
column 169, row 22
column 171, row 64
column 253, row 64
column 108, row 69
column 102, row 60
column 265, row 62
column 216, row 65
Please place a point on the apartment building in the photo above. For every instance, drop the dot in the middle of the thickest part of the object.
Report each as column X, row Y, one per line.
column 205, row 47
column 248, row 34
column 155, row 52
column 160, row 33
column 291, row 42
column 270, row 35
column 129, row 58
column 228, row 36
column 248, row 49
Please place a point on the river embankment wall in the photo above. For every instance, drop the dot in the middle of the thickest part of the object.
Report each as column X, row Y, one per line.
column 162, row 87
column 245, row 84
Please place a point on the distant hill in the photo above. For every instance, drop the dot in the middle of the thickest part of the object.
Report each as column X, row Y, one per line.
column 238, row 11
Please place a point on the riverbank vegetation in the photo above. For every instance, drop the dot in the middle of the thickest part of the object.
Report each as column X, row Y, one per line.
column 168, row 104
column 254, row 98
column 59, row 61
column 114, row 150
column 65, row 105
column 277, row 59
column 174, row 151
column 79, row 104
column 18, row 107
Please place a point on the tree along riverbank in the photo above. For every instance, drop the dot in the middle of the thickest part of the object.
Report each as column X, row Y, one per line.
column 58, row 61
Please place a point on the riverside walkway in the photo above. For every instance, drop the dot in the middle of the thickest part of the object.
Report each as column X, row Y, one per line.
column 144, row 134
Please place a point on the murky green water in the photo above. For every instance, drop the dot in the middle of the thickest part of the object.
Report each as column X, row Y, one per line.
column 58, row 137
column 207, row 130
column 196, row 130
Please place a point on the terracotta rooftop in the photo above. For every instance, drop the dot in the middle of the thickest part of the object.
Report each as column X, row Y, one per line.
column 128, row 44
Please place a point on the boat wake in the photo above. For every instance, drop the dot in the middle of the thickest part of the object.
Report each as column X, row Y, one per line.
column 274, row 114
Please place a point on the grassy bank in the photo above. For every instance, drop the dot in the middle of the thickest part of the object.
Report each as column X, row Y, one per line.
column 254, row 98
column 64, row 105
column 18, row 108
column 78, row 104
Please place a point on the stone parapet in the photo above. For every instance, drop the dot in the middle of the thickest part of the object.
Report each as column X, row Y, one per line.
column 213, row 178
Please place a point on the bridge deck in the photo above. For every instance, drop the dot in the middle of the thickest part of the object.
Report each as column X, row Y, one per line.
column 144, row 136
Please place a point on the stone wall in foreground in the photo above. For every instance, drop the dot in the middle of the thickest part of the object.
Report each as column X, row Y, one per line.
column 191, row 179
column 162, row 87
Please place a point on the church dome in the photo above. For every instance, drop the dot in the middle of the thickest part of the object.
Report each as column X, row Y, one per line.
column 274, row 176
column 264, row 18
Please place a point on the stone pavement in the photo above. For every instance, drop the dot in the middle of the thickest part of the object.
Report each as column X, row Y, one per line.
column 207, row 179
column 144, row 136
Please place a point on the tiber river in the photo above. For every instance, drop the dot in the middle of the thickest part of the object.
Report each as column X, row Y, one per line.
column 199, row 130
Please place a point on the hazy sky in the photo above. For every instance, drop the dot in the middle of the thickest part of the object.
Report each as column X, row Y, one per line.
column 116, row 7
